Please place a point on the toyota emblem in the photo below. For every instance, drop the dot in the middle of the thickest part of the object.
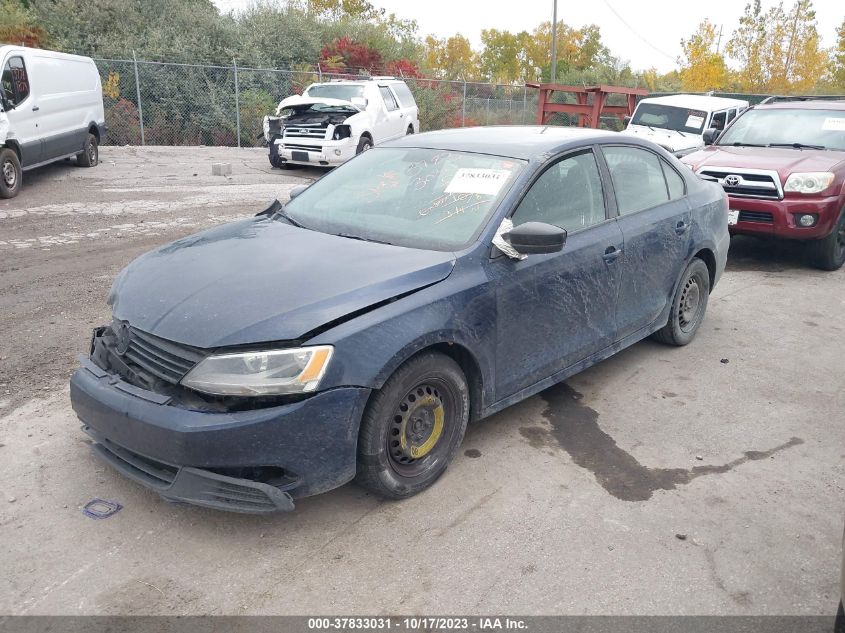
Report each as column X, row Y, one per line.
column 732, row 180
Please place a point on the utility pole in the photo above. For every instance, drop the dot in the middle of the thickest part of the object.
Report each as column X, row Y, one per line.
column 719, row 41
column 554, row 42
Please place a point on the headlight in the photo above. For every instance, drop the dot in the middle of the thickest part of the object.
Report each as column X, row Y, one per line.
column 259, row 373
column 810, row 182
column 341, row 132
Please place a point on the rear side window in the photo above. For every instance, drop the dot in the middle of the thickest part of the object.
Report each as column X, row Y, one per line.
column 637, row 177
column 674, row 181
column 15, row 81
column 389, row 99
column 406, row 99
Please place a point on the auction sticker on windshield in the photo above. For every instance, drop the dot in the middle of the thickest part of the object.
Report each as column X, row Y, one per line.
column 694, row 121
column 482, row 181
column 834, row 124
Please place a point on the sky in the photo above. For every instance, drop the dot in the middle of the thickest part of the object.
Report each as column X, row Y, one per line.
column 646, row 33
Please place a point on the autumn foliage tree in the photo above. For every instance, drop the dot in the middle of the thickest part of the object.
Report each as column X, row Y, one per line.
column 451, row 57
column 346, row 54
column 837, row 61
column 702, row 68
column 778, row 51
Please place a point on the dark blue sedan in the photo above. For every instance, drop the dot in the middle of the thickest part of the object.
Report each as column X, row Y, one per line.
column 355, row 331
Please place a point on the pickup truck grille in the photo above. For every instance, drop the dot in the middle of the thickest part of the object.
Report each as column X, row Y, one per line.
column 306, row 148
column 745, row 183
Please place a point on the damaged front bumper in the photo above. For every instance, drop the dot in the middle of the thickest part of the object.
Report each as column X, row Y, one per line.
column 244, row 461
column 325, row 153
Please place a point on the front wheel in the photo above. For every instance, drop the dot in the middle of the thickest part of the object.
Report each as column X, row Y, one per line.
column 413, row 426
column 688, row 306
column 829, row 252
column 90, row 154
column 11, row 174
column 363, row 145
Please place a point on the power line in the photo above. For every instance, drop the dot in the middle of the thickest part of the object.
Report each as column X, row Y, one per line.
column 634, row 31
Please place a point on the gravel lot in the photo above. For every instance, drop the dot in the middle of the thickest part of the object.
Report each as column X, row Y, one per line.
column 701, row 480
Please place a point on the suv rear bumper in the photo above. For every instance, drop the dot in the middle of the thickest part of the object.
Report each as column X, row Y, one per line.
column 778, row 217
column 180, row 453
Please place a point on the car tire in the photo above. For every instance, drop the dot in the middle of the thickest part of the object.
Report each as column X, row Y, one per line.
column 11, row 174
column 688, row 305
column 829, row 252
column 364, row 144
column 90, row 154
column 409, row 131
column 413, row 426
column 275, row 160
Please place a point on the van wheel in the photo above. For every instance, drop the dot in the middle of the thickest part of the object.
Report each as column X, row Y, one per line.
column 413, row 426
column 364, row 144
column 90, row 155
column 11, row 175
column 829, row 252
column 688, row 306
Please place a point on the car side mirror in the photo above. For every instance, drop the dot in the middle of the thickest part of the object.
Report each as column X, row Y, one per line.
column 710, row 135
column 534, row 238
column 297, row 190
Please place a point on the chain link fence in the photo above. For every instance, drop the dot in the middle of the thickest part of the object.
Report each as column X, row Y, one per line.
column 159, row 103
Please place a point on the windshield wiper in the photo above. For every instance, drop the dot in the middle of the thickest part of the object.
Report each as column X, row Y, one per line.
column 363, row 239
column 738, row 144
column 797, row 145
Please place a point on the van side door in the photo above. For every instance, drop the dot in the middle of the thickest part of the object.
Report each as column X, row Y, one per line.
column 21, row 109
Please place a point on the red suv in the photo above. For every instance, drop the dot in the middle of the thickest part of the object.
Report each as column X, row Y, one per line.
column 782, row 165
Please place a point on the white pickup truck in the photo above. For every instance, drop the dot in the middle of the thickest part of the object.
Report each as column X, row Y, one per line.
column 332, row 122
column 677, row 122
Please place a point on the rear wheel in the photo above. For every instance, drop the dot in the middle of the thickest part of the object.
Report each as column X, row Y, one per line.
column 11, row 175
column 90, row 154
column 688, row 305
column 413, row 427
column 829, row 252
column 410, row 130
column 364, row 144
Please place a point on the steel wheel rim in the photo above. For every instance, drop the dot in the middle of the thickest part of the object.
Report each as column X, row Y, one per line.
column 690, row 304
column 92, row 152
column 10, row 174
column 421, row 427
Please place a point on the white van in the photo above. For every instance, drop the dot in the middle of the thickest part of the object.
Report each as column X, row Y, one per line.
column 677, row 122
column 51, row 107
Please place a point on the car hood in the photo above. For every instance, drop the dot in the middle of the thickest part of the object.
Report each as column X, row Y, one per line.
column 299, row 103
column 263, row 280
column 782, row 160
column 669, row 139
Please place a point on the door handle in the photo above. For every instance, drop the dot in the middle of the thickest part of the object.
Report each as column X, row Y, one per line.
column 611, row 254
column 35, row 108
column 681, row 227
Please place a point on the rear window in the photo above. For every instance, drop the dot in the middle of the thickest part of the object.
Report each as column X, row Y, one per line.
column 406, row 98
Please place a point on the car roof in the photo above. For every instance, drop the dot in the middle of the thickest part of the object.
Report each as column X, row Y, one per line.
column 514, row 141
column 697, row 102
column 819, row 104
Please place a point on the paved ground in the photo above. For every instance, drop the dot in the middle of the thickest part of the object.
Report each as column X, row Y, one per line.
column 573, row 501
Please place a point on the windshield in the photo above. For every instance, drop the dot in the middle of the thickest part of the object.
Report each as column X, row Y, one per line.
column 422, row 198
column 669, row 118
column 825, row 128
column 336, row 91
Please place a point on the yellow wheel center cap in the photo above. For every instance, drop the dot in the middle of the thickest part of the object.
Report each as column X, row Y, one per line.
column 427, row 412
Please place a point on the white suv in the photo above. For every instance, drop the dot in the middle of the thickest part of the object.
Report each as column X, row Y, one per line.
column 332, row 122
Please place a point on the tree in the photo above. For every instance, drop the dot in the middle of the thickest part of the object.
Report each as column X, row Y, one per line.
column 702, row 68
column 778, row 51
column 345, row 53
column 503, row 58
column 577, row 50
column 837, row 66
column 18, row 24
column 451, row 58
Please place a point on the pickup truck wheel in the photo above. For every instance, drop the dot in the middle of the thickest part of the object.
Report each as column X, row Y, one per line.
column 829, row 252
column 90, row 154
column 11, row 175
column 688, row 306
column 275, row 159
column 364, row 144
column 413, row 426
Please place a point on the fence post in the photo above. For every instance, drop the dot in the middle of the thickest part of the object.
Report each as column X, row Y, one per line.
column 524, row 102
column 319, row 73
column 237, row 102
column 487, row 121
column 138, row 93
column 464, row 105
